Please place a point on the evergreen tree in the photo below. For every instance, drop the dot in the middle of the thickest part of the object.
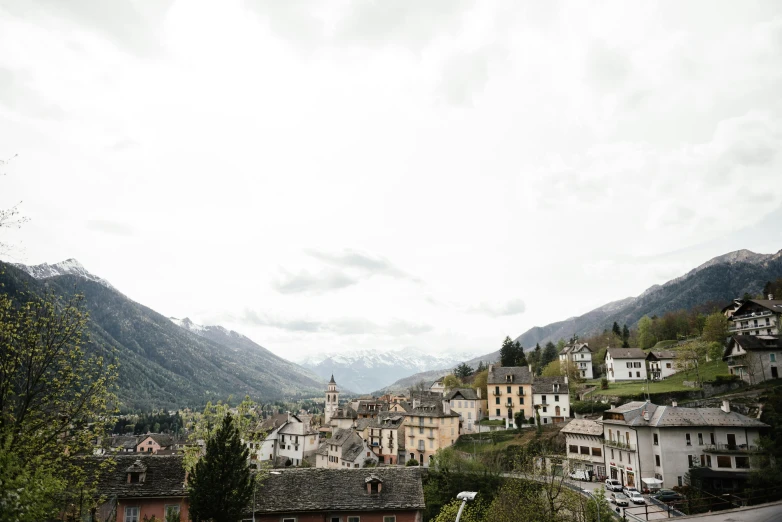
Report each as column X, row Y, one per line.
column 481, row 367
column 521, row 359
column 507, row 353
column 463, row 370
column 549, row 355
column 625, row 337
column 220, row 487
column 617, row 331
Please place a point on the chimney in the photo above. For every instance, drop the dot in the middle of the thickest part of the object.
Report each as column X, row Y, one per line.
column 725, row 406
column 645, row 415
column 478, row 391
column 673, row 403
column 491, row 368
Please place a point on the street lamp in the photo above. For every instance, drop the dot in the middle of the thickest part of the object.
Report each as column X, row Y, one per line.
column 464, row 496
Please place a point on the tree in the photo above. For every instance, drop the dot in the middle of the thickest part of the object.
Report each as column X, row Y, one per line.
column 481, row 367
column 773, row 288
column 616, row 330
column 552, row 369
column 533, row 359
column 549, row 354
column 715, row 329
column 692, row 355
column 507, row 352
column 480, row 382
column 463, row 370
column 625, row 337
column 28, row 491
column 56, row 390
column 646, row 338
column 521, row 359
column 220, row 486
column 451, row 381
column 473, row 512
column 519, row 418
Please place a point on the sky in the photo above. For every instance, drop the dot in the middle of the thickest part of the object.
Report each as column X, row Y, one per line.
column 331, row 176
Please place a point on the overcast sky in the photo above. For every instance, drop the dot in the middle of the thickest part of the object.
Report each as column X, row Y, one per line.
column 336, row 175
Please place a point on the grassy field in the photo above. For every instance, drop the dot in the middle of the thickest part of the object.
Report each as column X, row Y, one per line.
column 498, row 440
column 673, row 383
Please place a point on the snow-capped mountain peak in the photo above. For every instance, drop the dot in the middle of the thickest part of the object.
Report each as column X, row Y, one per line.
column 67, row 267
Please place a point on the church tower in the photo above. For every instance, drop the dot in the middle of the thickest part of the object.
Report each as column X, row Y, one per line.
column 332, row 401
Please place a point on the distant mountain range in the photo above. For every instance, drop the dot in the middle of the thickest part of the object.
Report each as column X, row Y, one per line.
column 718, row 280
column 165, row 364
column 367, row 370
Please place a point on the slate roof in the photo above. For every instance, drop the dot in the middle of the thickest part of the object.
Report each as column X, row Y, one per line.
column 775, row 305
column 584, row 427
column 165, row 475
column 626, row 353
column 575, row 348
column 546, row 384
column 521, row 375
column 161, row 438
column 669, row 416
column 467, row 394
column 124, row 441
column 324, row 490
column 275, row 421
column 296, row 428
column 661, row 354
column 753, row 343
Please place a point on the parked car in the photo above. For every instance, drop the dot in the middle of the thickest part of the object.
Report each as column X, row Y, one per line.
column 613, row 485
column 667, row 495
column 620, row 499
column 636, row 498
column 629, row 489
column 580, row 474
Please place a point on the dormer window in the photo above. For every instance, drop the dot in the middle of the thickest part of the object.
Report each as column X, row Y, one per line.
column 374, row 484
column 136, row 473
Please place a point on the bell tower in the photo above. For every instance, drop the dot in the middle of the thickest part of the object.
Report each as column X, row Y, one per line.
column 332, row 401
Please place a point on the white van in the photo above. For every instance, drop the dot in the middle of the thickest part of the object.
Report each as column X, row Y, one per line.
column 581, row 474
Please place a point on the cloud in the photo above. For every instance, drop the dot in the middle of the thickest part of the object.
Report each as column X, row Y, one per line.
column 307, row 282
column 17, row 93
column 371, row 265
column 464, row 75
column 512, row 307
column 106, row 226
column 342, row 326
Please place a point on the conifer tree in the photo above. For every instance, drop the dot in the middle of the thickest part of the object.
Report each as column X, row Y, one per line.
column 221, row 486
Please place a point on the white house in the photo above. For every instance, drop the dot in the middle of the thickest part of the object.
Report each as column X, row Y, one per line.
column 579, row 356
column 551, row 399
column 661, row 364
column 625, row 364
column 437, row 387
column 756, row 317
column 646, row 441
column 754, row 358
column 345, row 449
column 468, row 405
column 291, row 439
column 584, row 445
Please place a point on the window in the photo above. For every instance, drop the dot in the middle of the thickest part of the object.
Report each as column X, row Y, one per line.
column 629, row 365
column 335, row 519
column 636, row 365
column 469, row 415
column 711, row 438
column 584, row 450
column 544, row 409
column 637, row 374
column 667, row 365
column 131, row 514
column 700, row 439
column 288, row 520
column 656, row 440
column 556, row 398
column 692, row 461
column 708, row 460
column 772, row 357
column 172, row 510
column 496, row 400
column 497, row 412
column 508, row 389
column 354, row 519
column 687, row 439
column 630, row 374
column 420, row 430
column 597, row 452
column 656, row 460
column 723, row 461
column 573, row 448
column 681, row 482
column 389, row 519
column 620, row 456
column 612, row 452
column 742, row 462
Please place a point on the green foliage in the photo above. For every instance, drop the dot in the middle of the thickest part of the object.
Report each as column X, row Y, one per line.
column 774, row 288
column 547, row 356
column 451, row 381
column 512, row 354
column 29, row 492
column 646, row 338
column 603, row 383
column 173, row 516
column 441, row 488
column 597, row 507
column 723, row 379
column 519, row 418
column 463, row 370
column 474, row 511
column 220, row 486
column 583, row 407
column 552, row 369
column 715, row 328
column 412, row 462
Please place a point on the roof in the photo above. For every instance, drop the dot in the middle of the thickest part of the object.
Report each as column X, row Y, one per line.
column 584, row 427
column 753, row 343
column 322, row 489
column 626, row 353
column 124, row 441
column 296, row 428
column 578, row 347
column 467, row 394
column 775, row 305
column 161, row 438
column 332, row 381
column 164, row 475
column 520, row 375
column 275, row 421
column 546, row 384
column 430, row 410
column 661, row 354
column 669, row 416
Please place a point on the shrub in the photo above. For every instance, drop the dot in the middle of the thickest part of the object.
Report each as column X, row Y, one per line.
column 411, row 462
column 603, row 383
column 531, row 421
column 589, row 407
column 724, row 379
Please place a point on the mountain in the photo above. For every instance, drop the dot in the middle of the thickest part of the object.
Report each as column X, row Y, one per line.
column 67, row 267
column 165, row 365
column 720, row 279
column 367, row 370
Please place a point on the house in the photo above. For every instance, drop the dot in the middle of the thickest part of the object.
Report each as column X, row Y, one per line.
column 754, row 358
column 155, row 443
column 551, row 399
column 584, row 445
column 468, row 405
column 385, row 434
column 139, row 487
column 369, row 408
column 437, row 387
column 643, row 440
column 625, row 364
column 510, row 392
column 660, row 364
column 332, row 401
column 756, row 317
column 123, row 443
column 390, row 494
column 345, row 449
column 429, row 426
column 579, row 357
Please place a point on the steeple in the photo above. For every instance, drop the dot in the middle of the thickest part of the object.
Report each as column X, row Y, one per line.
column 332, row 401
column 332, row 381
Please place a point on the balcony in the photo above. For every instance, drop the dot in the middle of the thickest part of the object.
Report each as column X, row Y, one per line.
column 496, row 393
column 730, row 448
column 520, row 392
column 752, row 315
column 619, row 445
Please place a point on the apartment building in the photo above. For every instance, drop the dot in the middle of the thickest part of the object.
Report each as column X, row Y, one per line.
column 578, row 356
column 643, row 440
column 661, row 364
column 584, row 446
column 754, row 358
column 345, row 449
column 625, row 364
column 756, row 317
column 429, row 427
column 551, row 399
column 385, row 434
column 510, row 391
column 467, row 404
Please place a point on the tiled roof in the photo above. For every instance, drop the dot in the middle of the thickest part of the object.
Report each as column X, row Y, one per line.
column 661, row 354
column 467, row 394
column 161, row 438
column 754, row 343
column 626, row 353
column 575, row 348
column 584, row 427
column 546, row 384
column 164, row 475
column 322, row 489
column 520, row 374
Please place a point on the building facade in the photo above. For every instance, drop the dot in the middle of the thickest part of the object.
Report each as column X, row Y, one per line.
column 467, row 404
column 754, row 358
column 584, row 446
column 625, row 364
column 385, row 434
column 345, row 449
column 510, row 392
column 756, row 317
column 661, row 364
column 429, row 427
column 578, row 356
column 551, row 399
